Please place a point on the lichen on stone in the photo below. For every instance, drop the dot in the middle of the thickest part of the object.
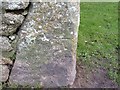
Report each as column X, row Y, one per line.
column 15, row 4
column 46, row 47
column 10, row 23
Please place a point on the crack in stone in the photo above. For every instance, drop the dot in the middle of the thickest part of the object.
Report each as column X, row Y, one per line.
column 17, row 31
column 44, row 44
column 17, row 12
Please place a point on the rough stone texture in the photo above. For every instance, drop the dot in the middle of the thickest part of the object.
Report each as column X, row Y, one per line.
column 5, row 44
column 47, row 46
column 13, row 41
column 10, row 23
column 4, row 72
column 7, row 47
column 5, row 61
column 15, row 4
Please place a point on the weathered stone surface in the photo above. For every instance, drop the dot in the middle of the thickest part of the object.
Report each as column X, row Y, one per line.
column 15, row 4
column 5, row 73
column 10, row 23
column 7, row 47
column 5, row 61
column 5, row 44
column 47, row 46
column 14, row 40
column 10, row 54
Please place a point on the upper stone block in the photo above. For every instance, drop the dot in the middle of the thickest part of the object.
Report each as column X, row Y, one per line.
column 10, row 23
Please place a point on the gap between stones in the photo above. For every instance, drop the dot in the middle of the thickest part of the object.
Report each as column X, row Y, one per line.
column 17, row 34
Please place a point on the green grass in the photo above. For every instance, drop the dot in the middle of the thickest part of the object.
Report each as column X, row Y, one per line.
column 98, row 37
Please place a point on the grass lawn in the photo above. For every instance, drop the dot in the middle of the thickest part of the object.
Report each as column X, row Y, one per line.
column 98, row 37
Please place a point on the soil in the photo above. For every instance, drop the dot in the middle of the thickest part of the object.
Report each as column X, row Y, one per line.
column 96, row 78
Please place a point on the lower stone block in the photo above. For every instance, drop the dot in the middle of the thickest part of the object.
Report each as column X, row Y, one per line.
column 46, row 53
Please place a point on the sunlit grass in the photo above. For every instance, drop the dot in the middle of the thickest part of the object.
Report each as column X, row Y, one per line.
column 98, row 37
